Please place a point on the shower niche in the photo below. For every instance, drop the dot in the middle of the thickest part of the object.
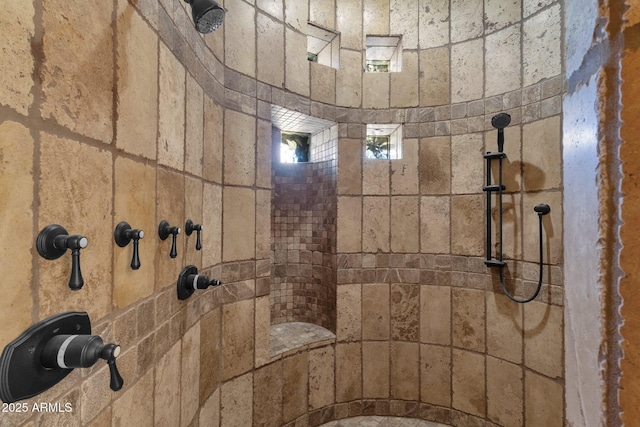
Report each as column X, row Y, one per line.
column 303, row 222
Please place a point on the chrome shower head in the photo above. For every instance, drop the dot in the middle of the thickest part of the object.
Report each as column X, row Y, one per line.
column 207, row 15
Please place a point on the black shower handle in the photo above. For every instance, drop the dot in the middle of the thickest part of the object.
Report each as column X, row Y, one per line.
column 53, row 241
column 123, row 234
column 190, row 227
column 164, row 230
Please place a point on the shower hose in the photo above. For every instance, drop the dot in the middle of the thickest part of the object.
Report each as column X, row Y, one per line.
column 535, row 294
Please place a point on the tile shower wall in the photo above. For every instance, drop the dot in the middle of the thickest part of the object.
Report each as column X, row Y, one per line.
column 303, row 227
column 135, row 102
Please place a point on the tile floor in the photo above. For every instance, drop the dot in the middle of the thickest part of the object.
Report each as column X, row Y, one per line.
column 378, row 421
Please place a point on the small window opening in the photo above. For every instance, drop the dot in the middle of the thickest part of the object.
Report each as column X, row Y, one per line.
column 384, row 54
column 323, row 46
column 383, row 141
column 295, row 147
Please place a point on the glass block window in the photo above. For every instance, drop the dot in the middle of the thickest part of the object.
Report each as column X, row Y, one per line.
column 384, row 54
column 383, row 141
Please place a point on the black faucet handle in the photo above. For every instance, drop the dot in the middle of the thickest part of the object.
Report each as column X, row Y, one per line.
column 190, row 227
column 53, row 241
column 109, row 353
column 123, row 234
column 164, row 230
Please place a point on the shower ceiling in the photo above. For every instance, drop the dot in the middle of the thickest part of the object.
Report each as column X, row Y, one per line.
column 293, row 121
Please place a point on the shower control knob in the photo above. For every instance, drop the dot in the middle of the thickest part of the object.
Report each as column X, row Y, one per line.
column 164, row 230
column 123, row 234
column 189, row 280
column 81, row 351
column 190, row 227
column 53, row 241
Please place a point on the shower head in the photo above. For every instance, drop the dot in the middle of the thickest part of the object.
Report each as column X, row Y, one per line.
column 501, row 120
column 207, row 15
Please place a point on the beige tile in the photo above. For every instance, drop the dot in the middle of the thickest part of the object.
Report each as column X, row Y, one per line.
column 541, row 154
column 468, row 319
column 212, row 219
column 467, row 225
column 267, row 394
column 349, row 313
column 137, row 122
column 404, row 172
column 435, row 314
column 86, row 210
column 405, row 361
column 167, row 378
column 321, row 377
column 350, row 166
column 193, row 210
column 376, row 316
column 190, row 375
column 434, row 19
column 170, row 208
column 467, row 78
column 405, row 227
column 16, row 222
column 134, row 405
column 468, row 382
column 500, row 14
column 171, row 107
column 504, row 328
column 375, row 90
column 238, row 239
column 404, row 85
column 544, row 401
column 210, row 351
column 264, row 154
column 348, row 372
column 375, row 17
column 551, row 228
column 466, row 19
column 239, row 148
column 262, row 330
column 349, row 79
column 375, row 369
column 376, row 176
column 135, row 203
column 94, row 395
column 435, row 375
column 323, row 83
column 194, row 128
column 210, row 410
column 504, row 392
column 541, row 45
column 263, row 224
column 435, row 224
column 504, row 55
column 435, row 165
column 403, row 17
column 323, row 12
column 296, row 65
column 78, row 66
column 239, row 49
column 543, row 339
column 296, row 14
column 237, row 338
column 295, row 371
column 405, row 303
column 270, row 39
column 236, row 402
column 213, row 141
column 375, row 224
column 274, row 8
column 349, row 228
column 16, row 71
column 467, row 163
column 434, row 76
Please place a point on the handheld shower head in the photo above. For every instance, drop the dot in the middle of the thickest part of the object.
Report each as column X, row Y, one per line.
column 207, row 15
column 500, row 121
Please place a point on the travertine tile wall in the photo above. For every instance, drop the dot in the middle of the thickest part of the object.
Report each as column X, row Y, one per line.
column 126, row 99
